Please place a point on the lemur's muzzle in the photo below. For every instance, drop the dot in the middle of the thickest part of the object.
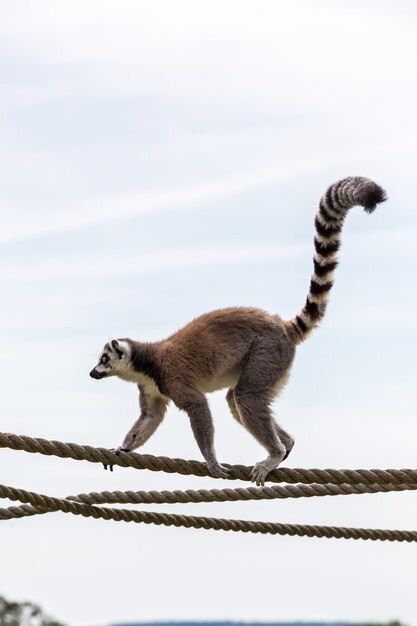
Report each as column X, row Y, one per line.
column 97, row 375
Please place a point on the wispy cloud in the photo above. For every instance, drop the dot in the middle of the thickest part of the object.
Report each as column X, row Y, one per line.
column 117, row 206
column 177, row 258
column 371, row 244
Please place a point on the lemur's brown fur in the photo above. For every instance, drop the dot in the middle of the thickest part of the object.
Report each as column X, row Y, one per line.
column 247, row 350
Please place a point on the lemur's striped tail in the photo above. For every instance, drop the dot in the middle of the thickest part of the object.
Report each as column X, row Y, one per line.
column 334, row 205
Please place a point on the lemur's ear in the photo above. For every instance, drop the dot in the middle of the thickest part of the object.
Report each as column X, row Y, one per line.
column 117, row 347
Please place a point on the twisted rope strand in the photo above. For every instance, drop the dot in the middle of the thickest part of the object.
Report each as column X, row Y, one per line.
column 211, row 495
column 197, row 468
column 168, row 519
column 233, row 495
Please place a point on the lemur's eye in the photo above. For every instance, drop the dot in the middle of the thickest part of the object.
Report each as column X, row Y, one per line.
column 104, row 359
column 134, row 436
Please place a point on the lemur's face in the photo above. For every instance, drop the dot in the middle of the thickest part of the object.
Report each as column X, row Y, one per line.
column 114, row 360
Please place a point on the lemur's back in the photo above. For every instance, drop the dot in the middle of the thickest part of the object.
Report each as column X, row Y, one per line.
column 217, row 341
column 230, row 325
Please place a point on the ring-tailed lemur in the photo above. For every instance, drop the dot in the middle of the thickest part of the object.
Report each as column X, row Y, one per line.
column 247, row 350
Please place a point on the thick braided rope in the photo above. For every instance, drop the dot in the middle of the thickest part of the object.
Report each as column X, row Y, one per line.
column 188, row 521
column 196, row 468
column 211, row 495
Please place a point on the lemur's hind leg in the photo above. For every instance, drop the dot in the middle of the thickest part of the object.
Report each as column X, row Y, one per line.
column 232, row 406
column 282, row 434
column 257, row 418
column 266, row 364
column 286, row 439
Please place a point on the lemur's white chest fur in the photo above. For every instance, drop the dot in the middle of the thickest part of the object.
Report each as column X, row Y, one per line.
column 226, row 380
column 146, row 382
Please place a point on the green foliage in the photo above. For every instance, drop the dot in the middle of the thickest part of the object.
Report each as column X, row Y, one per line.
column 23, row 614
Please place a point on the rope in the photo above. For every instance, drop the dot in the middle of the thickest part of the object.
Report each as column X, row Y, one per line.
column 211, row 495
column 310, row 483
column 180, row 466
column 231, row 495
column 167, row 519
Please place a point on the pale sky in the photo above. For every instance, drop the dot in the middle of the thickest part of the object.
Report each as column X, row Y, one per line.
column 162, row 159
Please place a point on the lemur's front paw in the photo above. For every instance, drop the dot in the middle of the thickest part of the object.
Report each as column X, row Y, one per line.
column 218, row 471
column 116, row 451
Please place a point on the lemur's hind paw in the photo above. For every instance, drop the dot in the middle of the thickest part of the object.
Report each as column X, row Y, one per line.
column 259, row 473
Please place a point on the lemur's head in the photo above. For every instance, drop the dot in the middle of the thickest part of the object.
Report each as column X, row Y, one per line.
column 114, row 360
